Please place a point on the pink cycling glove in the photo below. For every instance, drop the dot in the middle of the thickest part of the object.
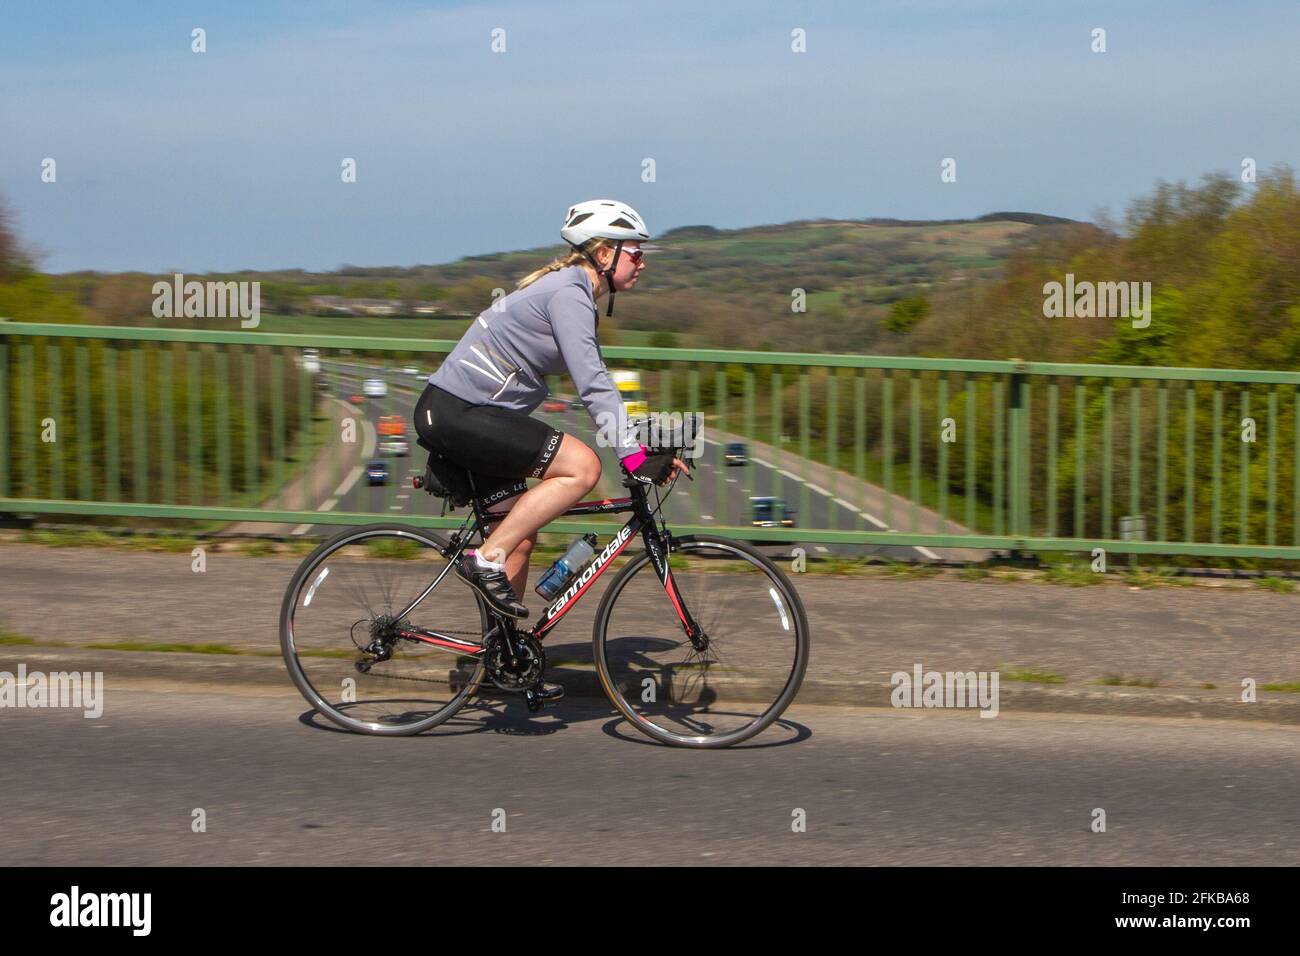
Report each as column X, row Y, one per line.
column 634, row 461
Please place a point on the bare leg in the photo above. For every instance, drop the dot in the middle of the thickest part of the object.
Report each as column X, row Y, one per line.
column 572, row 474
column 517, row 560
column 517, row 564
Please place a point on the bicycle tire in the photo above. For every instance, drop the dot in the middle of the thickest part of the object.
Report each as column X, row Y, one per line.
column 289, row 650
column 600, row 645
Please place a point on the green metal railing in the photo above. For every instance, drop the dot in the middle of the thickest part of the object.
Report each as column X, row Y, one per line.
column 170, row 425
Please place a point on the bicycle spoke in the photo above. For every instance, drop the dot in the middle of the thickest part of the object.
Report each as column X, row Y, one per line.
column 345, row 653
column 747, row 672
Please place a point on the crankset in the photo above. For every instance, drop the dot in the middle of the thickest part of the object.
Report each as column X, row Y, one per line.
column 514, row 668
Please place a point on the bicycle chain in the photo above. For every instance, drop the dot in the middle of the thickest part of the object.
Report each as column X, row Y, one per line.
column 479, row 632
column 384, row 676
column 425, row 679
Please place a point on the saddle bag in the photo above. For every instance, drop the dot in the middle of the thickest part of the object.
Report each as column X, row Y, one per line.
column 445, row 479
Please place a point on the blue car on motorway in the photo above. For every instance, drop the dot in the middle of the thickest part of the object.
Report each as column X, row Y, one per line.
column 769, row 512
column 736, row 453
column 377, row 473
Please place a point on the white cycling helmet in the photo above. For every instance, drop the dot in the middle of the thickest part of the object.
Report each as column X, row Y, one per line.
column 604, row 219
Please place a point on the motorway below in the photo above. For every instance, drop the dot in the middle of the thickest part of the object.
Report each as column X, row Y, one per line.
column 719, row 494
column 575, row 785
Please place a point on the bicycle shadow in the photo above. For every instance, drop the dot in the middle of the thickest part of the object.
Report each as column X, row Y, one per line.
column 621, row 730
column 507, row 715
column 492, row 710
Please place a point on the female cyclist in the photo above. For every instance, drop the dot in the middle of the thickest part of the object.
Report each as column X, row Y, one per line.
column 475, row 409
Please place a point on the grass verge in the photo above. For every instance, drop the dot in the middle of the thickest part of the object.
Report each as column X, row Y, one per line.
column 1072, row 575
column 1279, row 585
column 1289, row 687
column 12, row 639
column 167, row 647
column 1030, row 676
column 1120, row 680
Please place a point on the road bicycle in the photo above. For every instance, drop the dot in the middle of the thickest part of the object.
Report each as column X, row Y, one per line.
column 698, row 641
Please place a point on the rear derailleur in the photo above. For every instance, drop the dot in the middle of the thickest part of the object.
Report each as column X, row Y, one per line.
column 382, row 632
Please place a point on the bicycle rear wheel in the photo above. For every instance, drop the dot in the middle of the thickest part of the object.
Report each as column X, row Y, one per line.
column 746, row 676
column 348, row 594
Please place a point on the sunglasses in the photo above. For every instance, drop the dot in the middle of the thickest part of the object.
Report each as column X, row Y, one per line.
column 633, row 254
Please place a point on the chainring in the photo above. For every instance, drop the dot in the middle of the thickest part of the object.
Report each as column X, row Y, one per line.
column 523, row 671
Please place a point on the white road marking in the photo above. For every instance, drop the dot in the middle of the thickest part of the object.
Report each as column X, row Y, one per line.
column 821, row 549
column 394, row 507
column 367, row 451
column 348, row 482
column 328, row 505
column 923, row 551
column 402, row 497
column 301, row 529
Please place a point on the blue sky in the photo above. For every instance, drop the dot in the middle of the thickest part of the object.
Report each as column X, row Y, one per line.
column 168, row 159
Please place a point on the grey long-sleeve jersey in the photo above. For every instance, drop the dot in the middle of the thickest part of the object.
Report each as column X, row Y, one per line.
column 543, row 329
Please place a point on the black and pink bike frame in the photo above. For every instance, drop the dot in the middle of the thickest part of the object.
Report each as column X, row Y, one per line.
column 656, row 541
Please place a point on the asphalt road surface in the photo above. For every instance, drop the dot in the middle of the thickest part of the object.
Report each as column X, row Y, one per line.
column 577, row 785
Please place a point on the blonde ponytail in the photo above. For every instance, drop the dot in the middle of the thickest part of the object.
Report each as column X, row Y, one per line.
column 574, row 258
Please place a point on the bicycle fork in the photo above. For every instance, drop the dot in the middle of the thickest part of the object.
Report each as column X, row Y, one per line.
column 690, row 627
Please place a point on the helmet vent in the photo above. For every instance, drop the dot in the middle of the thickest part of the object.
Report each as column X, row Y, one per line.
column 620, row 221
column 577, row 219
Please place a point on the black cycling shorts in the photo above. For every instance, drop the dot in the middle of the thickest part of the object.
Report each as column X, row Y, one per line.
column 500, row 446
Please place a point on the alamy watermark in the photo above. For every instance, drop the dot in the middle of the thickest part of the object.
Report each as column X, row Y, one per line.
column 102, row 909
column 1089, row 300
column 208, row 300
column 953, row 689
column 84, row 690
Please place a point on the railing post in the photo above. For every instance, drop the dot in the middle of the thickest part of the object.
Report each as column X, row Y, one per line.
column 4, row 417
column 1017, row 482
column 235, row 431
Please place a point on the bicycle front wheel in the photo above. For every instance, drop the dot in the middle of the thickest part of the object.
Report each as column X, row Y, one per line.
column 755, row 653
column 347, row 599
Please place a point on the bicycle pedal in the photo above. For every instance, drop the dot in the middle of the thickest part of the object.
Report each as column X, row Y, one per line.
column 548, row 693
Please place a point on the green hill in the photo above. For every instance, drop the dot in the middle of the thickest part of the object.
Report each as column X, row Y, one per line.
column 727, row 288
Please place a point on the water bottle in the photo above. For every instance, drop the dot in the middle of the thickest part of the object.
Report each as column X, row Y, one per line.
column 563, row 571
